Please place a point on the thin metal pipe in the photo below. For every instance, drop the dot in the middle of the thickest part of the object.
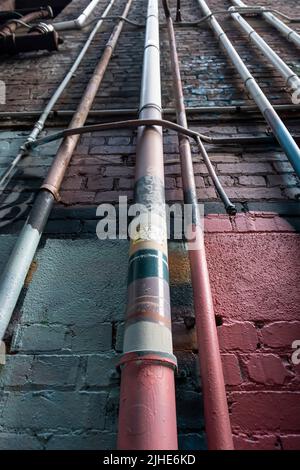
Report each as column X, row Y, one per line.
column 283, row 28
column 292, row 80
column 133, row 111
column 80, row 22
column 217, row 422
column 39, row 125
column 147, row 417
column 279, row 129
column 13, row 277
column 11, row 26
column 149, row 122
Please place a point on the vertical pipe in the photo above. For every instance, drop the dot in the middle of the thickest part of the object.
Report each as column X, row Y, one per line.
column 291, row 79
column 39, row 125
column 147, row 417
column 14, row 274
column 280, row 131
column 217, row 423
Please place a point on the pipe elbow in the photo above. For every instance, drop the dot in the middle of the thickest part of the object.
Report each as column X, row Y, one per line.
column 80, row 21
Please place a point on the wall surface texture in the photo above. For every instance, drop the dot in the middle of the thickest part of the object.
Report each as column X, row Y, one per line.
column 60, row 388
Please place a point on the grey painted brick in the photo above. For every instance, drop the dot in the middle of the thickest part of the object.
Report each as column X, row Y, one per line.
column 192, row 441
column 54, row 410
column 90, row 441
column 16, row 370
column 39, row 338
column 15, row 441
column 95, row 337
column 189, row 410
column 120, row 336
column 57, row 371
column 101, row 370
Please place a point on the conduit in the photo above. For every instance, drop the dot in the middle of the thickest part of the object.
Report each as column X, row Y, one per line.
column 13, row 277
column 279, row 129
column 147, row 417
column 283, row 28
column 292, row 81
column 39, row 125
column 11, row 26
column 217, row 423
column 79, row 22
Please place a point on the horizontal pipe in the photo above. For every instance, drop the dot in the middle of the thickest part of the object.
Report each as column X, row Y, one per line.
column 14, row 275
column 292, row 80
column 11, row 26
column 279, row 130
column 134, row 111
column 148, row 122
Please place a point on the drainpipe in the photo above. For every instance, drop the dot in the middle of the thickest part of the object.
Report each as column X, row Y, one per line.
column 283, row 28
column 217, row 423
column 39, row 125
column 147, row 417
column 291, row 79
column 15, row 272
column 79, row 22
column 279, row 129
column 11, row 26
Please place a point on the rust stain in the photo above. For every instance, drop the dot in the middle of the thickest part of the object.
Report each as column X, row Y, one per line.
column 32, row 269
column 179, row 268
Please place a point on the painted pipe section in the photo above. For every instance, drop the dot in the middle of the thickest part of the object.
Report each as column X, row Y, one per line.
column 79, row 22
column 11, row 26
column 147, row 417
column 280, row 131
column 283, row 28
column 217, row 423
column 39, row 125
column 291, row 79
column 14, row 275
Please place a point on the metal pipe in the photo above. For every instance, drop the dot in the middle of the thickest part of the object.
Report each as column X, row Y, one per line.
column 149, row 122
column 283, row 28
column 80, row 22
column 217, row 423
column 15, row 272
column 133, row 111
column 292, row 80
column 279, row 129
column 11, row 26
column 39, row 125
column 147, row 417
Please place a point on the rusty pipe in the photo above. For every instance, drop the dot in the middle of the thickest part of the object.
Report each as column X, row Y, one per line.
column 11, row 26
column 147, row 417
column 16, row 269
column 217, row 423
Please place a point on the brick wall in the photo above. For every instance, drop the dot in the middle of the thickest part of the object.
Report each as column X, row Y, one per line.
column 59, row 388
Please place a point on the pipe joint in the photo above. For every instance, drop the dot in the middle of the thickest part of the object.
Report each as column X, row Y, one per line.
column 51, row 189
column 155, row 357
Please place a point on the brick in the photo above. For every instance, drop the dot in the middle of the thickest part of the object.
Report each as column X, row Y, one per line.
column 252, row 181
column 92, row 440
column 192, row 441
column 283, row 167
column 217, row 224
column 126, row 183
column 101, row 370
column 95, row 337
column 119, row 171
column 119, row 140
column 280, row 334
column 100, row 183
column 189, row 410
column 39, row 338
column 240, row 335
column 290, row 442
column 244, row 168
column 54, row 409
column 15, row 372
column 18, row 441
column 256, row 442
column 56, row 371
column 265, row 411
column 284, row 180
column 267, row 369
column 254, row 193
column 231, row 369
